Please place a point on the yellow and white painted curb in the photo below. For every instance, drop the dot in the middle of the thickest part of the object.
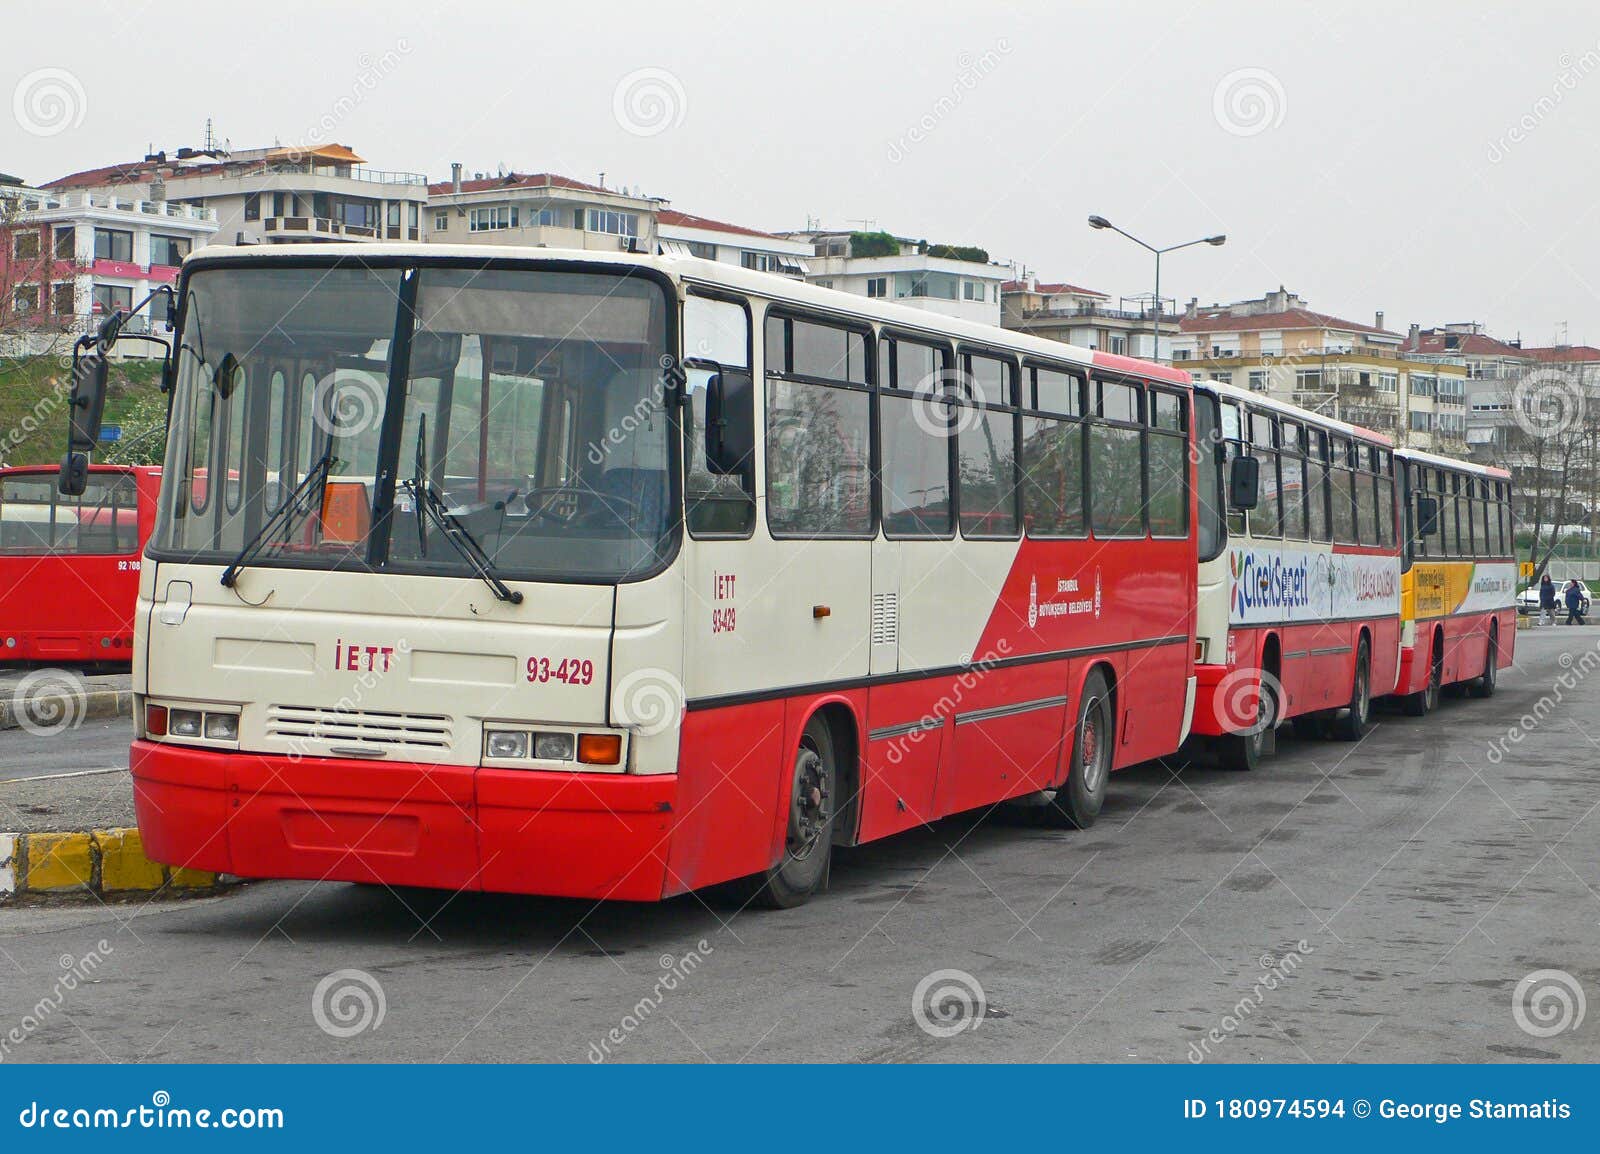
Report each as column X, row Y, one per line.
column 105, row 862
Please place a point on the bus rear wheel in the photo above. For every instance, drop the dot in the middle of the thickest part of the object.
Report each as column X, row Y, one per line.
column 1352, row 724
column 808, row 841
column 1246, row 751
column 1425, row 701
column 1077, row 802
column 1485, row 685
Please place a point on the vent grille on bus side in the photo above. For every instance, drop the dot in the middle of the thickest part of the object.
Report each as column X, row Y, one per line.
column 359, row 727
column 885, row 618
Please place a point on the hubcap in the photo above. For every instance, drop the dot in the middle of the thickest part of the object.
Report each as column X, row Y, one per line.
column 808, row 812
column 1092, row 769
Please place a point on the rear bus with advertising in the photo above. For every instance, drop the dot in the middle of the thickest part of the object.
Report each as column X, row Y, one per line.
column 615, row 576
column 69, row 566
column 1299, row 588
column 1459, row 589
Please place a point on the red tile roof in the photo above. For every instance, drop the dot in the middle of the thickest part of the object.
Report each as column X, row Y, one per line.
column 520, row 180
column 1222, row 321
column 1051, row 289
column 672, row 217
column 1472, row 344
column 173, row 168
column 1563, row 354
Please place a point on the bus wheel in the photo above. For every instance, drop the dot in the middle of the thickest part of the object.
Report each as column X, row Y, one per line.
column 1351, row 725
column 1077, row 803
column 1246, row 751
column 1484, row 686
column 1425, row 701
column 809, row 840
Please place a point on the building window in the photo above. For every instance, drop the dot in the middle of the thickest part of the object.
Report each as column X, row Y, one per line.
column 25, row 244
column 252, row 206
column 168, row 250
column 825, row 284
column 1422, row 422
column 877, row 286
column 441, row 222
column 63, row 300
column 113, row 244
column 1388, row 382
column 972, row 290
column 495, row 219
column 1423, row 386
column 25, row 298
column 1119, row 346
column 1258, row 380
column 616, row 223
column 703, row 249
column 1308, row 380
column 108, row 298
column 66, row 242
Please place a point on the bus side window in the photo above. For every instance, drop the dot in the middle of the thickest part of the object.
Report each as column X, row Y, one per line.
column 1267, row 520
column 1367, row 495
column 1344, row 493
column 1167, row 465
column 716, row 337
column 1116, row 492
column 1232, row 433
column 1292, row 466
column 1386, row 533
column 1052, row 454
column 1317, row 527
column 986, row 448
column 916, row 444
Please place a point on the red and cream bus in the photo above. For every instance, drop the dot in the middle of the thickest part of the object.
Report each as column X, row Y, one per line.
column 69, row 566
column 1458, row 592
column 1299, row 595
column 617, row 576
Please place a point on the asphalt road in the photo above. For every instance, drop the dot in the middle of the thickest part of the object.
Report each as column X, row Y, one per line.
column 1375, row 902
column 100, row 744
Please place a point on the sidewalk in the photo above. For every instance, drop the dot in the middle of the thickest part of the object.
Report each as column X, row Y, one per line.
column 48, row 699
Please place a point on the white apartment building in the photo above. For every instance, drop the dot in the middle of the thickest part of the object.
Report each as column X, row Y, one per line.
column 539, row 210
column 1086, row 317
column 277, row 195
column 683, row 234
column 954, row 282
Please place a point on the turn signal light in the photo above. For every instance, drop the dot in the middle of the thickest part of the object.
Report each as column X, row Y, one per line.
column 155, row 721
column 599, row 748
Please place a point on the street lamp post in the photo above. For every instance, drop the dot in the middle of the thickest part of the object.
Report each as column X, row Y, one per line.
column 1155, row 343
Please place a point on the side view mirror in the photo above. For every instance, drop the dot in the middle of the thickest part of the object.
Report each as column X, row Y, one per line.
column 1427, row 515
column 1244, row 483
column 89, row 374
column 730, row 421
column 74, row 474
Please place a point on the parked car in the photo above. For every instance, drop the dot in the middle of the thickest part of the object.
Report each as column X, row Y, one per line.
column 1528, row 599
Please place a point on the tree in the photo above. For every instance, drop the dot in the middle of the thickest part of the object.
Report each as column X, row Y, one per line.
column 144, row 432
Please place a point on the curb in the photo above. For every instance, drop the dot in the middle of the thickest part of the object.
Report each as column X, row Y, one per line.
column 104, row 862
column 57, row 711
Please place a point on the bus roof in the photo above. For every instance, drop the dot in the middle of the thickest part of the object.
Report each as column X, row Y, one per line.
column 1262, row 401
column 1437, row 461
column 694, row 270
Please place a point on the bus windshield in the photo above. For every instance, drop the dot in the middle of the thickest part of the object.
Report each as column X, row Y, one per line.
column 530, row 404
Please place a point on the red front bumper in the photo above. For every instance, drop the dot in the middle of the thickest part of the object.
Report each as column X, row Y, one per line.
column 584, row 835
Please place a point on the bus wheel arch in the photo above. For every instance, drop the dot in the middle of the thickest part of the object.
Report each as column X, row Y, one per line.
column 1246, row 750
column 1355, row 719
column 1484, row 684
column 845, row 727
column 1075, row 803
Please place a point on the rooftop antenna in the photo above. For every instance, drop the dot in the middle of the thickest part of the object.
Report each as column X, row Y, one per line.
column 211, row 141
column 867, row 223
column 602, row 180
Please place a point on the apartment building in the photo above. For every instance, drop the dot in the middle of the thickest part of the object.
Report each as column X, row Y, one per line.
column 277, row 195
column 1065, row 312
column 1355, row 371
column 67, row 258
column 539, row 210
column 684, row 234
column 950, row 280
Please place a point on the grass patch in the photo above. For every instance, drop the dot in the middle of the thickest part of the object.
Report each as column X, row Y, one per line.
column 33, row 404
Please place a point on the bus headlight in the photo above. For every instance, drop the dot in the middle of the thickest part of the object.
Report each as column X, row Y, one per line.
column 222, row 726
column 506, row 743
column 184, row 722
column 553, row 746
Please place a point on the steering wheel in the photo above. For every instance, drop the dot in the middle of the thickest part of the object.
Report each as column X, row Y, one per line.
column 600, row 506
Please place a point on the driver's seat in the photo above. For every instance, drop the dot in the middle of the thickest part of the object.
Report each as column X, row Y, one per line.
column 639, row 492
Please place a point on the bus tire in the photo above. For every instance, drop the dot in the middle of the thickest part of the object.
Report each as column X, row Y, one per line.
column 808, row 839
column 1246, row 751
column 1484, row 686
column 1076, row 803
column 1425, row 701
column 1352, row 724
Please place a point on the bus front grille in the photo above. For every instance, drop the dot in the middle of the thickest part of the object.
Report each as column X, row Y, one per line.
column 359, row 727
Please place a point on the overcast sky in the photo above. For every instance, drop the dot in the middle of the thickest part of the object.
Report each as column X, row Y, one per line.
column 1433, row 160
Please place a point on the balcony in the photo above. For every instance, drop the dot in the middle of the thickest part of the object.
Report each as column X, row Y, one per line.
column 67, row 204
column 325, row 228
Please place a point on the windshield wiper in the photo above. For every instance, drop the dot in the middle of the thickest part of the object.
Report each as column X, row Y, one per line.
column 284, row 518
column 431, row 508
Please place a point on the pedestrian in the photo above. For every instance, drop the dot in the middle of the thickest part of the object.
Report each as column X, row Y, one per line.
column 1574, row 595
column 1547, row 600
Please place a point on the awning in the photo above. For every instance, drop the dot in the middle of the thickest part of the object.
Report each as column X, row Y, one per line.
column 674, row 248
